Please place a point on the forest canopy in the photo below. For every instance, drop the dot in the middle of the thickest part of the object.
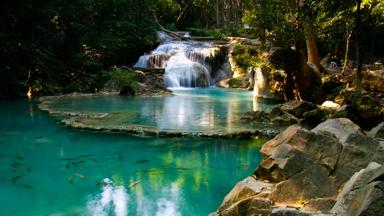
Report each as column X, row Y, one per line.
column 59, row 46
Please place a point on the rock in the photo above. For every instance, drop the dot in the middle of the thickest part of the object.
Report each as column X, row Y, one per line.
column 343, row 112
column 111, row 86
column 315, row 116
column 367, row 111
column 363, row 194
column 308, row 184
column 288, row 212
column 294, row 150
column 298, row 108
column 379, row 155
column 378, row 131
column 325, row 204
column 249, row 207
column 330, row 105
column 305, row 170
column 341, row 128
column 249, row 187
column 127, row 90
column 278, row 116
column 257, row 116
column 358, row 151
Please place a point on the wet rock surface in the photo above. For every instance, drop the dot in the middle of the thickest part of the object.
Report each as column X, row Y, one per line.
column 288, row 113
column 149, row 82
column 333, row 169
column 362, row 109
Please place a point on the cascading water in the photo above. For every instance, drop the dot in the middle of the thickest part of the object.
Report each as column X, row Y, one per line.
column 186, row 63
column 259, row 83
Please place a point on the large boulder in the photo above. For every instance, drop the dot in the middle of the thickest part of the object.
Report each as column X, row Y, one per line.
column 298, row 108
column 295, row 150
column 363, row 194
column 357, row 150
column 300, row 162
column 306, row 170
column 280, row 117
column 341, row 128
column 249, row 207
column 249, row 187
column 378, row 131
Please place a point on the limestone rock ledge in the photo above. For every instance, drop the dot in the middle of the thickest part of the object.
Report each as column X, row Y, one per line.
column 333, row 169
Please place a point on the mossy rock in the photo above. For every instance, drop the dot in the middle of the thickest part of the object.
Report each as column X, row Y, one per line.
column 246, row 56
column 235, row 83
column 122, row 81
column 366, row 110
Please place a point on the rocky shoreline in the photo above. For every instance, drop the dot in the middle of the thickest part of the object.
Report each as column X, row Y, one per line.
column 333, row 169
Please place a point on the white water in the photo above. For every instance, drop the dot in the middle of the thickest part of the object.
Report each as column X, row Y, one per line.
column 112, row 199
column 186, row 63
column 258, row 89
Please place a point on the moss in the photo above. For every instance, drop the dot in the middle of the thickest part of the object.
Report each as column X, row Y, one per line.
column 234, row 83
column 88, row 83
column 367, row 111
column 246, row 56
column 127, row 80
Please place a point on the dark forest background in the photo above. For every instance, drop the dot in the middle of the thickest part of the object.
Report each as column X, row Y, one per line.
column 57, row 46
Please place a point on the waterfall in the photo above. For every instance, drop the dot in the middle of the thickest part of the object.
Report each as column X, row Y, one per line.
column 186, row 63
column 153, row 60
column 258, row 89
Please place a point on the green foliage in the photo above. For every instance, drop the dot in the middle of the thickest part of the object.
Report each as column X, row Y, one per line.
column 234, row 83
column 59, row 46
column 125, row 81
column 246, row 56
column 124, row 78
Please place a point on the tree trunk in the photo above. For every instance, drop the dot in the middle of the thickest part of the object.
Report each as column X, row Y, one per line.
column 345, row 65
column 358, row 59
column 307, row 80
column 312, row 51
column 182, row 13
column 219, row 13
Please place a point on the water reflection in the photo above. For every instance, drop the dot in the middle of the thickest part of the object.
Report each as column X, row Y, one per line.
column 198, row 109
column 112, row 200
column 178, row 176
column 256, row 103
column 190, row 110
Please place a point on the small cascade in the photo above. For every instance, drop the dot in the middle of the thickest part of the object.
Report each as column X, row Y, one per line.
column 258, row 89
column 186, row 63
column 163, row 37
column 153, row 60
column 183, row 72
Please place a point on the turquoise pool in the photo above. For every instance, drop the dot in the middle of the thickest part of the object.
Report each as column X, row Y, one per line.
column 48, row 169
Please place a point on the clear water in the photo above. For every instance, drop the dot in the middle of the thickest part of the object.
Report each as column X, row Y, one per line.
column 47, row 169
column 199, row 109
